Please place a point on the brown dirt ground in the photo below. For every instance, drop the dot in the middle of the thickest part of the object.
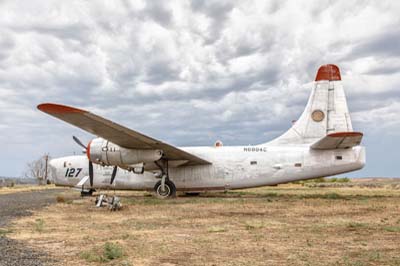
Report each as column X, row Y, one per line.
column 284, row 225
column 26, row 188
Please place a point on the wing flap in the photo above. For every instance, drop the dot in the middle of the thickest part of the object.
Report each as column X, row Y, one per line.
column 116, row 133
column 338, row 140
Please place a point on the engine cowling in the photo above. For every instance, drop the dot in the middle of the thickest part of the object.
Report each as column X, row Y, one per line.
column 103, row 152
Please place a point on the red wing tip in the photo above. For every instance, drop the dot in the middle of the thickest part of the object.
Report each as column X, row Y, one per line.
column 328, row 72
column 345, row 134
column 58, row 108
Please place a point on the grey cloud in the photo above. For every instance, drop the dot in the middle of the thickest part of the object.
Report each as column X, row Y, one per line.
column 366, row 102
column 384, row 70
column 161, row 71
column 386, row 44
column 76, row 32
column 7, row 43
column 218, row 10
column 158, row 12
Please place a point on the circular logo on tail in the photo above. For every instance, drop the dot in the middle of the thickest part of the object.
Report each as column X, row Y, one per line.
column 317, row 115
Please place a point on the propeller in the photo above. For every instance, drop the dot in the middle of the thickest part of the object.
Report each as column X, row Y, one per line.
column 90, row 162
column 91, row 173
column 79, row 142
column 114, row 172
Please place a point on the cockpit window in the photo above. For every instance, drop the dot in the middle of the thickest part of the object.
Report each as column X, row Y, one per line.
column 65, row 164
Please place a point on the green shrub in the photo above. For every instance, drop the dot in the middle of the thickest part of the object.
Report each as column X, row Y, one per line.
column 4, row 232
column 392, row 229
column 39, row 225
column 254, row 225
column 112, row 251
column 91, row 256
column 339, row 180
column 216, row 229
column 356, row 225
column 314, row 180
column 332, row 195
column 319, row 180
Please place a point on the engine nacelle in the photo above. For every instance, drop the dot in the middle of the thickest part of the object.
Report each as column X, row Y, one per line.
column 101, row 151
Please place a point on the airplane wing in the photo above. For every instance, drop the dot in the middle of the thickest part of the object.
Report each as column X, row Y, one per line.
column 116, row 133
column 338, row 140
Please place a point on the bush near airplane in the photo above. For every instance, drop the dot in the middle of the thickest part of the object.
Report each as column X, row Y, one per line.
column 320, row 143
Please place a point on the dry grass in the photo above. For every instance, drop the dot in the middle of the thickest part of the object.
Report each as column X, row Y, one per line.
column 284, row 225
column 25, row 188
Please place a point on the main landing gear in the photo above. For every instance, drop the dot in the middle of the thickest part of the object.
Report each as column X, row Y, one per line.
column 164, row 188
column 169, row 190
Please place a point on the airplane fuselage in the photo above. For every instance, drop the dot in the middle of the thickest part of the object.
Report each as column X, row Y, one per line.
column 232, row 167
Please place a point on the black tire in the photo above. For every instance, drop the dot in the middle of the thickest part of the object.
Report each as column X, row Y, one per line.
column 170, row 190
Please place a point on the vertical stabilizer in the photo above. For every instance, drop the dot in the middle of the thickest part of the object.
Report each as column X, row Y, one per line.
column 326, row 111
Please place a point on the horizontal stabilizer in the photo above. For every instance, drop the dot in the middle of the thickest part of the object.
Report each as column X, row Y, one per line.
column 83, row 181
column 338, row 140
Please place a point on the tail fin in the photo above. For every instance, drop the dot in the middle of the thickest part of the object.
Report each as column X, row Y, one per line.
column 326, row 111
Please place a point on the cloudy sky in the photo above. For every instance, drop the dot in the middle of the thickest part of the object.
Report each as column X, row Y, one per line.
column 192, row 72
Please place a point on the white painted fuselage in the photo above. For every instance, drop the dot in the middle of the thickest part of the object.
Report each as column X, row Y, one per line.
column 233, row 167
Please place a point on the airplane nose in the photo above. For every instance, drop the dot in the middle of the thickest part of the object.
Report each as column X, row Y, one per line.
column 52, row 162
column 53, row 169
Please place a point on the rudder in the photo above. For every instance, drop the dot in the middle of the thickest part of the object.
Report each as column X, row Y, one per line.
column 326, row 111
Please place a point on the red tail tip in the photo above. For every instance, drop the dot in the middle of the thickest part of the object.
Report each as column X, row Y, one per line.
column 328, row 72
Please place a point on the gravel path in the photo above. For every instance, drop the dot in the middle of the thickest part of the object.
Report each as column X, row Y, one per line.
column 15, row 205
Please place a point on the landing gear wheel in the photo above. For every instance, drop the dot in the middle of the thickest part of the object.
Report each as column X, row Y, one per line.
column 168, row 192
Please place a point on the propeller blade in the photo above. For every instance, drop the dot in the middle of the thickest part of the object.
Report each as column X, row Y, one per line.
column 79, row 142
column 114, row 173
column 91, row 173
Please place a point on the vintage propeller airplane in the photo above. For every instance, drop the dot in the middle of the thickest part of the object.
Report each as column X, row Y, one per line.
column 320, row 143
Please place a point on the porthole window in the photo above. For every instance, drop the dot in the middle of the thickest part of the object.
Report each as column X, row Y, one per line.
column 297, row 165
column 339, row 157
column 253, row 162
